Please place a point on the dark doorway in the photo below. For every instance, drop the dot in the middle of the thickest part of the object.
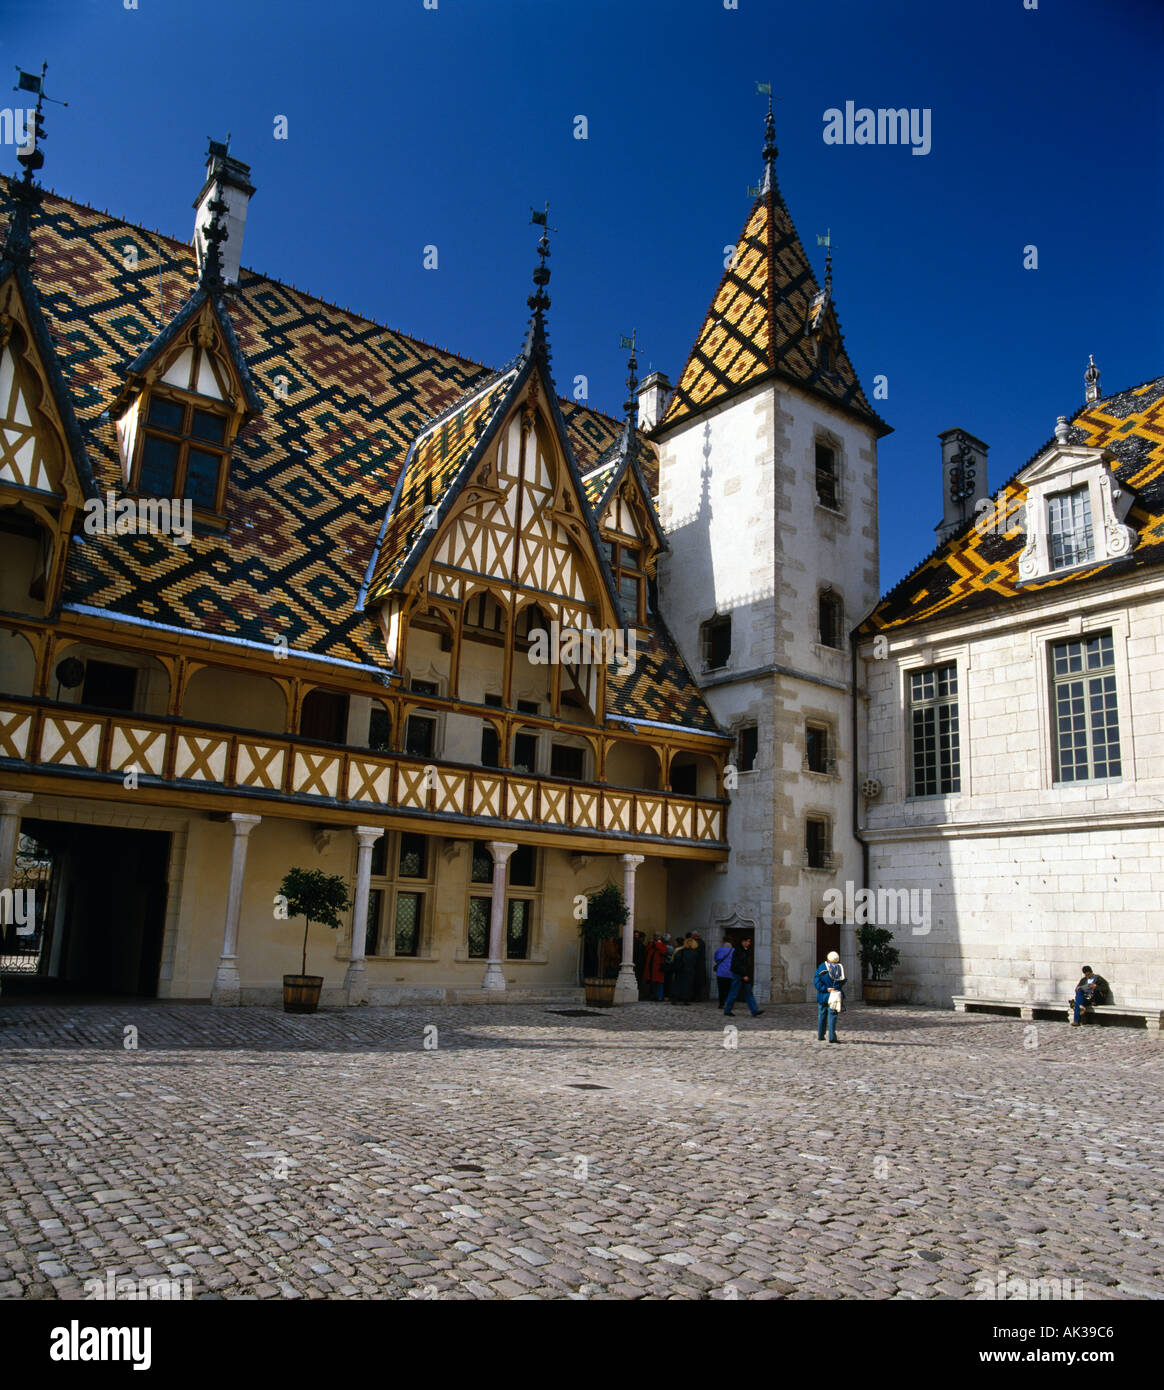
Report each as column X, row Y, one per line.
column 828, row 938
column 105, row 912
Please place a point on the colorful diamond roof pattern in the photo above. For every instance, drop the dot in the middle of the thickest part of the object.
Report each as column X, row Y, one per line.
column 979, row 566
column 343, row 400
column 756, row 326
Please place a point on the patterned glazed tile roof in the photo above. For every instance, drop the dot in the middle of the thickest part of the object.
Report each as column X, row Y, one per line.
column 979, row 566
column 343, row 400
column 659, row 687
column 755, row 326
column 430, row 474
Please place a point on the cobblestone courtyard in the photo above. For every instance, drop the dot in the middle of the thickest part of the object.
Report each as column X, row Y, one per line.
column 267, row 1156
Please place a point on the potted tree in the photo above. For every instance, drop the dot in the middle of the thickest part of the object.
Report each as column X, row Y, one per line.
column 602, row 924
column 878, row 958
column 318, row 897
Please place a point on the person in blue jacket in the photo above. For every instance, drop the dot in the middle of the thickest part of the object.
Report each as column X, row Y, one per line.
column 830, row 975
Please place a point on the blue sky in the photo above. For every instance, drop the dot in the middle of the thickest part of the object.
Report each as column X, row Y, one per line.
column 410, row 127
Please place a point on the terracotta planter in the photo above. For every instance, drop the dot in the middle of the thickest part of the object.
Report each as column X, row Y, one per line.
column 599, row 993
column 301, row 993
column 878, row 992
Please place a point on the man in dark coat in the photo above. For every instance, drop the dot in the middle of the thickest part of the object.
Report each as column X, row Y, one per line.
column 683, row 972
column 830, row 975
column 700, row 967
column 640, row 962
column 742, row 979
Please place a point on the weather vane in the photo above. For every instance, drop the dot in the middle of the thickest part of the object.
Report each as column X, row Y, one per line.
column 31, row 155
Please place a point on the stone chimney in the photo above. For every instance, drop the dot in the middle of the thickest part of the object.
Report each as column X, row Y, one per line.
column 963, row 480
column 236, row 194
column 654, row 394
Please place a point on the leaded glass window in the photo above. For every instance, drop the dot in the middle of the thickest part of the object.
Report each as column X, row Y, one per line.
column 478, row 927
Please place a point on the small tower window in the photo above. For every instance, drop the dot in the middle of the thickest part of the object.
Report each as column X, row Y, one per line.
column 827, row 491
column 817, row 843
column 747, row 746
column 717, row 643
column 831, row 620
column 817, row 751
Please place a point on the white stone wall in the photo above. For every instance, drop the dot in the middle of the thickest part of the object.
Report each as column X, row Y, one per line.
column 1029, row 880
column 737, row 498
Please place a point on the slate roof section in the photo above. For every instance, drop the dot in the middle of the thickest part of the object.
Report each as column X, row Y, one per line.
column 977, row 568
column 755, row 327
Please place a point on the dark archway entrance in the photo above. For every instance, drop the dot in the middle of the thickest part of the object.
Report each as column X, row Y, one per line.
column 100, row 926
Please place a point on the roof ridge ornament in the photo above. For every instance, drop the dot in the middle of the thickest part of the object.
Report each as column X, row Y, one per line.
column 539, row 300
column 25, row 194
column 1091, row 378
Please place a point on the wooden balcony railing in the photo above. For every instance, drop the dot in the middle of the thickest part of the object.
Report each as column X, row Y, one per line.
column 51, row 737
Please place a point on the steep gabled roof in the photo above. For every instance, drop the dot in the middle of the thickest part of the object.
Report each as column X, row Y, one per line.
column 602, row 482
column 439, row 460
column 978, row 567
column 172, row 331
column 755, row 328
column 15, row 260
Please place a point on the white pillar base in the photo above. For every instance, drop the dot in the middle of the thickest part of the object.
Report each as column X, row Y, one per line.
column 227, row 989
column 626, row 988
column 356, row 983
column 494, row 976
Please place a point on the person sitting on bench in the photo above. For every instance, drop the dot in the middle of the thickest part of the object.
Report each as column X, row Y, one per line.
column 1090, row 990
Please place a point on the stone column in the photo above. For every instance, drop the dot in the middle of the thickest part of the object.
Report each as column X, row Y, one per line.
column 12, row 806
column 227, row 984
column 626, row 989
column 495, row 969
column 356, row 979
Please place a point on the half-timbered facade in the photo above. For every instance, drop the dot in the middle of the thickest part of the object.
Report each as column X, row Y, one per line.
column 284, row 588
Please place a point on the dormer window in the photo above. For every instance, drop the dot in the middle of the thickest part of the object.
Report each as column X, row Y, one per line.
column 1069, row 533
column 182, row 451
column 1076, row 512
column 626, row 563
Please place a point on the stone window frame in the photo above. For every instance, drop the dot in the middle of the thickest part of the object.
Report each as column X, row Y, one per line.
column 831, row 857
column 390, row 883
column 938, row 654
column 826, row 722
column 832, row 593
column 738, row 728
column 1042, row 639
column 823, row 436
column 716, row 618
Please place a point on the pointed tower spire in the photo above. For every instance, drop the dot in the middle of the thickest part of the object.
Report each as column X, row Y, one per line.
column 26, row 194
column 1091, row 378
column 770, row 150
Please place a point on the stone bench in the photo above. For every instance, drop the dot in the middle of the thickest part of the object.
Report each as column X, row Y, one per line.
column 1153, row 1018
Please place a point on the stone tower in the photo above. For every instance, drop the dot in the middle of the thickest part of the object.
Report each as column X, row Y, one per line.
column 768, row 496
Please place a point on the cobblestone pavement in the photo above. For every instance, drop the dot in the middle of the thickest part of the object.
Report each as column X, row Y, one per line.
column 266, row 1156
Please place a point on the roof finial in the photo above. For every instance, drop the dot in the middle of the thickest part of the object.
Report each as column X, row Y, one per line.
column 1062, row 430
column 827, row 242
column 214, row 233
column 770, row 150
column 25, row 193
column 539, row 301
column 1091, row 377
column 631, row 404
